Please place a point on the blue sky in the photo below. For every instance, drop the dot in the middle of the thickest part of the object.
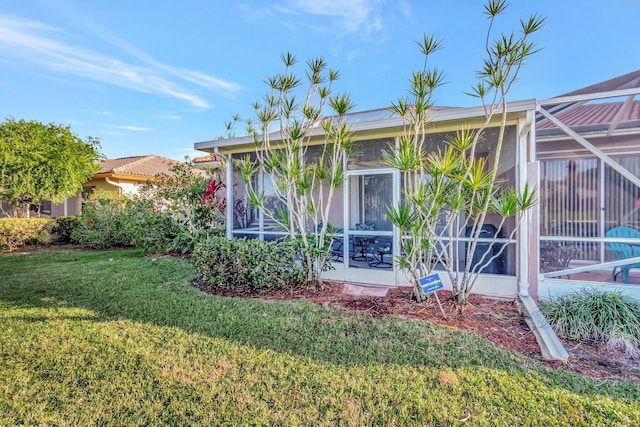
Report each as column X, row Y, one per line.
column 153, row 77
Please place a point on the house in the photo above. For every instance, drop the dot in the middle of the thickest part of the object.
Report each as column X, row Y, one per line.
column 205, row 162
column 581, row 150
column 123, row 175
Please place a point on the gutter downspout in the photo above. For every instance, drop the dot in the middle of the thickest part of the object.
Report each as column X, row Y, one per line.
column 550, row 346
column 115, row 184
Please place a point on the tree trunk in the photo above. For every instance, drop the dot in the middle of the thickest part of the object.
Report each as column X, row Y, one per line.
column 418, row 295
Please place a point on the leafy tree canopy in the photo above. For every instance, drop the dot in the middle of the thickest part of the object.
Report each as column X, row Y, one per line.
column 43, row 161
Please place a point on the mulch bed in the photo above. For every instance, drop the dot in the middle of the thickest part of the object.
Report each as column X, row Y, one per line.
column 499, row 321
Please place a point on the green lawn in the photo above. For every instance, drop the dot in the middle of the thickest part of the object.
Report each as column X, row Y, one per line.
column 114, row 338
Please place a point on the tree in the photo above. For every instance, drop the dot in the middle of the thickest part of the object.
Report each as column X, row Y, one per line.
column 449, row 193
column 304, row 181
column 43, row 162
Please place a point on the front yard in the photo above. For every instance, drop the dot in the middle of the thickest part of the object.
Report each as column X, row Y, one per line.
column 115, row 338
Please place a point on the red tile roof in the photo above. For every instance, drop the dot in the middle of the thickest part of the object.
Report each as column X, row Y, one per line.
column 206, row 159
column 595, row 114
column 144, row 166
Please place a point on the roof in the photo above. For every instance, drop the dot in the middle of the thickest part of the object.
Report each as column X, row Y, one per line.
column 586, row 109
column 140, row 166
column 380, row 120
column 206, row 159
column 627, row 81
column 597, row 114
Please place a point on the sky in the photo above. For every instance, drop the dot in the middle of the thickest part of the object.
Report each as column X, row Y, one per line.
column 154, row 77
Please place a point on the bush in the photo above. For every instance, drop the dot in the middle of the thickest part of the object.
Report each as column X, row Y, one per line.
column 602, row 317
column 16, row 232
column 150, row 229
column 63, row 226
column 246, row 265
column 103, row 223
column 179, row 210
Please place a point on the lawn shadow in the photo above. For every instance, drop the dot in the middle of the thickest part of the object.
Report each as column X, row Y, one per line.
column 124, row 285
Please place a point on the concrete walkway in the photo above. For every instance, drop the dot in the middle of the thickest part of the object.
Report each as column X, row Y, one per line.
column 364, row 290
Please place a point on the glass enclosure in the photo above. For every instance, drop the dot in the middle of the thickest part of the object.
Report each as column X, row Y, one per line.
column 585, row 206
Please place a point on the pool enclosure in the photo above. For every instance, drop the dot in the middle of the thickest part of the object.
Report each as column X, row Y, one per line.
column 588, row 148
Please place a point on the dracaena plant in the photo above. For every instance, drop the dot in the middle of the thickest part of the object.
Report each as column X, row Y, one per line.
column 294, row 114
column 448, row 193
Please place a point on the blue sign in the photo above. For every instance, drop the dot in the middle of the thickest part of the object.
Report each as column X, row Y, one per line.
column 431, row 283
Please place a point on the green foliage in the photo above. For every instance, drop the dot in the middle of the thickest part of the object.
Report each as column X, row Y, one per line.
column 16, row 232
column 304, row 187
column 178, row 210
column 103, row 223
column 450, row 192
column 95, row 338
column 43, row 162
column 246, row 265
column 610, row 318
column 171, row 214
column 150, row 229
column 63, row 226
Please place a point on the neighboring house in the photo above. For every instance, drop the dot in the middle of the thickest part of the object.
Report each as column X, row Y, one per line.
column 581, row 150
column 207, row 162
column 123, row 176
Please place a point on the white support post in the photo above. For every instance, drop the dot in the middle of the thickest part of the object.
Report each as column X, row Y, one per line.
column 346, row 207
column 230, row 201
column 261, row 179
column 524, row 127
column 397, row 189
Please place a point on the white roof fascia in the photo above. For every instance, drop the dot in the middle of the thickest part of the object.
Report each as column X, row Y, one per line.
column 590, row 96
column 436, row 116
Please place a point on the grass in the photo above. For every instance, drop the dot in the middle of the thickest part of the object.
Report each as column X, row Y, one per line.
column 114, row 338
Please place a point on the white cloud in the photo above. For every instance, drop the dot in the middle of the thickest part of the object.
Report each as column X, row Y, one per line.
column 364, row 16
column 169, row 117
column 134, row 128
column 40, row 44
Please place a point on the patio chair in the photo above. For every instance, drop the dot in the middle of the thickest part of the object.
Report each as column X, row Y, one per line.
column 337, row 249
column 556, row 256
column 360, row 244
column 624, row 250
column 379, row 247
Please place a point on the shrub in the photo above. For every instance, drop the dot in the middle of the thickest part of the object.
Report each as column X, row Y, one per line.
column 63, row 226
column 150, row 229
column 603, row 317
column 16, row 232
column 246, row 265
column 103, row 223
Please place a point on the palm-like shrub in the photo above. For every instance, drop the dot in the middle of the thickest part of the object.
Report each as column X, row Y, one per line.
column 449, row 193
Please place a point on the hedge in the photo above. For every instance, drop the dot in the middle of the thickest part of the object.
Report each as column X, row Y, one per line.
column 246, row 265
column 17, row 232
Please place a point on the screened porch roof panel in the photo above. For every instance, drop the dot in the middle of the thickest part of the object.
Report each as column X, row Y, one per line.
column 382, row 122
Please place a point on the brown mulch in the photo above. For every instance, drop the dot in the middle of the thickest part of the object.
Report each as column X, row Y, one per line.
column 499, row 321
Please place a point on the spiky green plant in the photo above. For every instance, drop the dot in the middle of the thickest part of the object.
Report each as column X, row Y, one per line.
column 303, row 189
column 449, row 193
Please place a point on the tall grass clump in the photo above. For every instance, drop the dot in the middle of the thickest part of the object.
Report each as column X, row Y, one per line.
column 609, row 318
